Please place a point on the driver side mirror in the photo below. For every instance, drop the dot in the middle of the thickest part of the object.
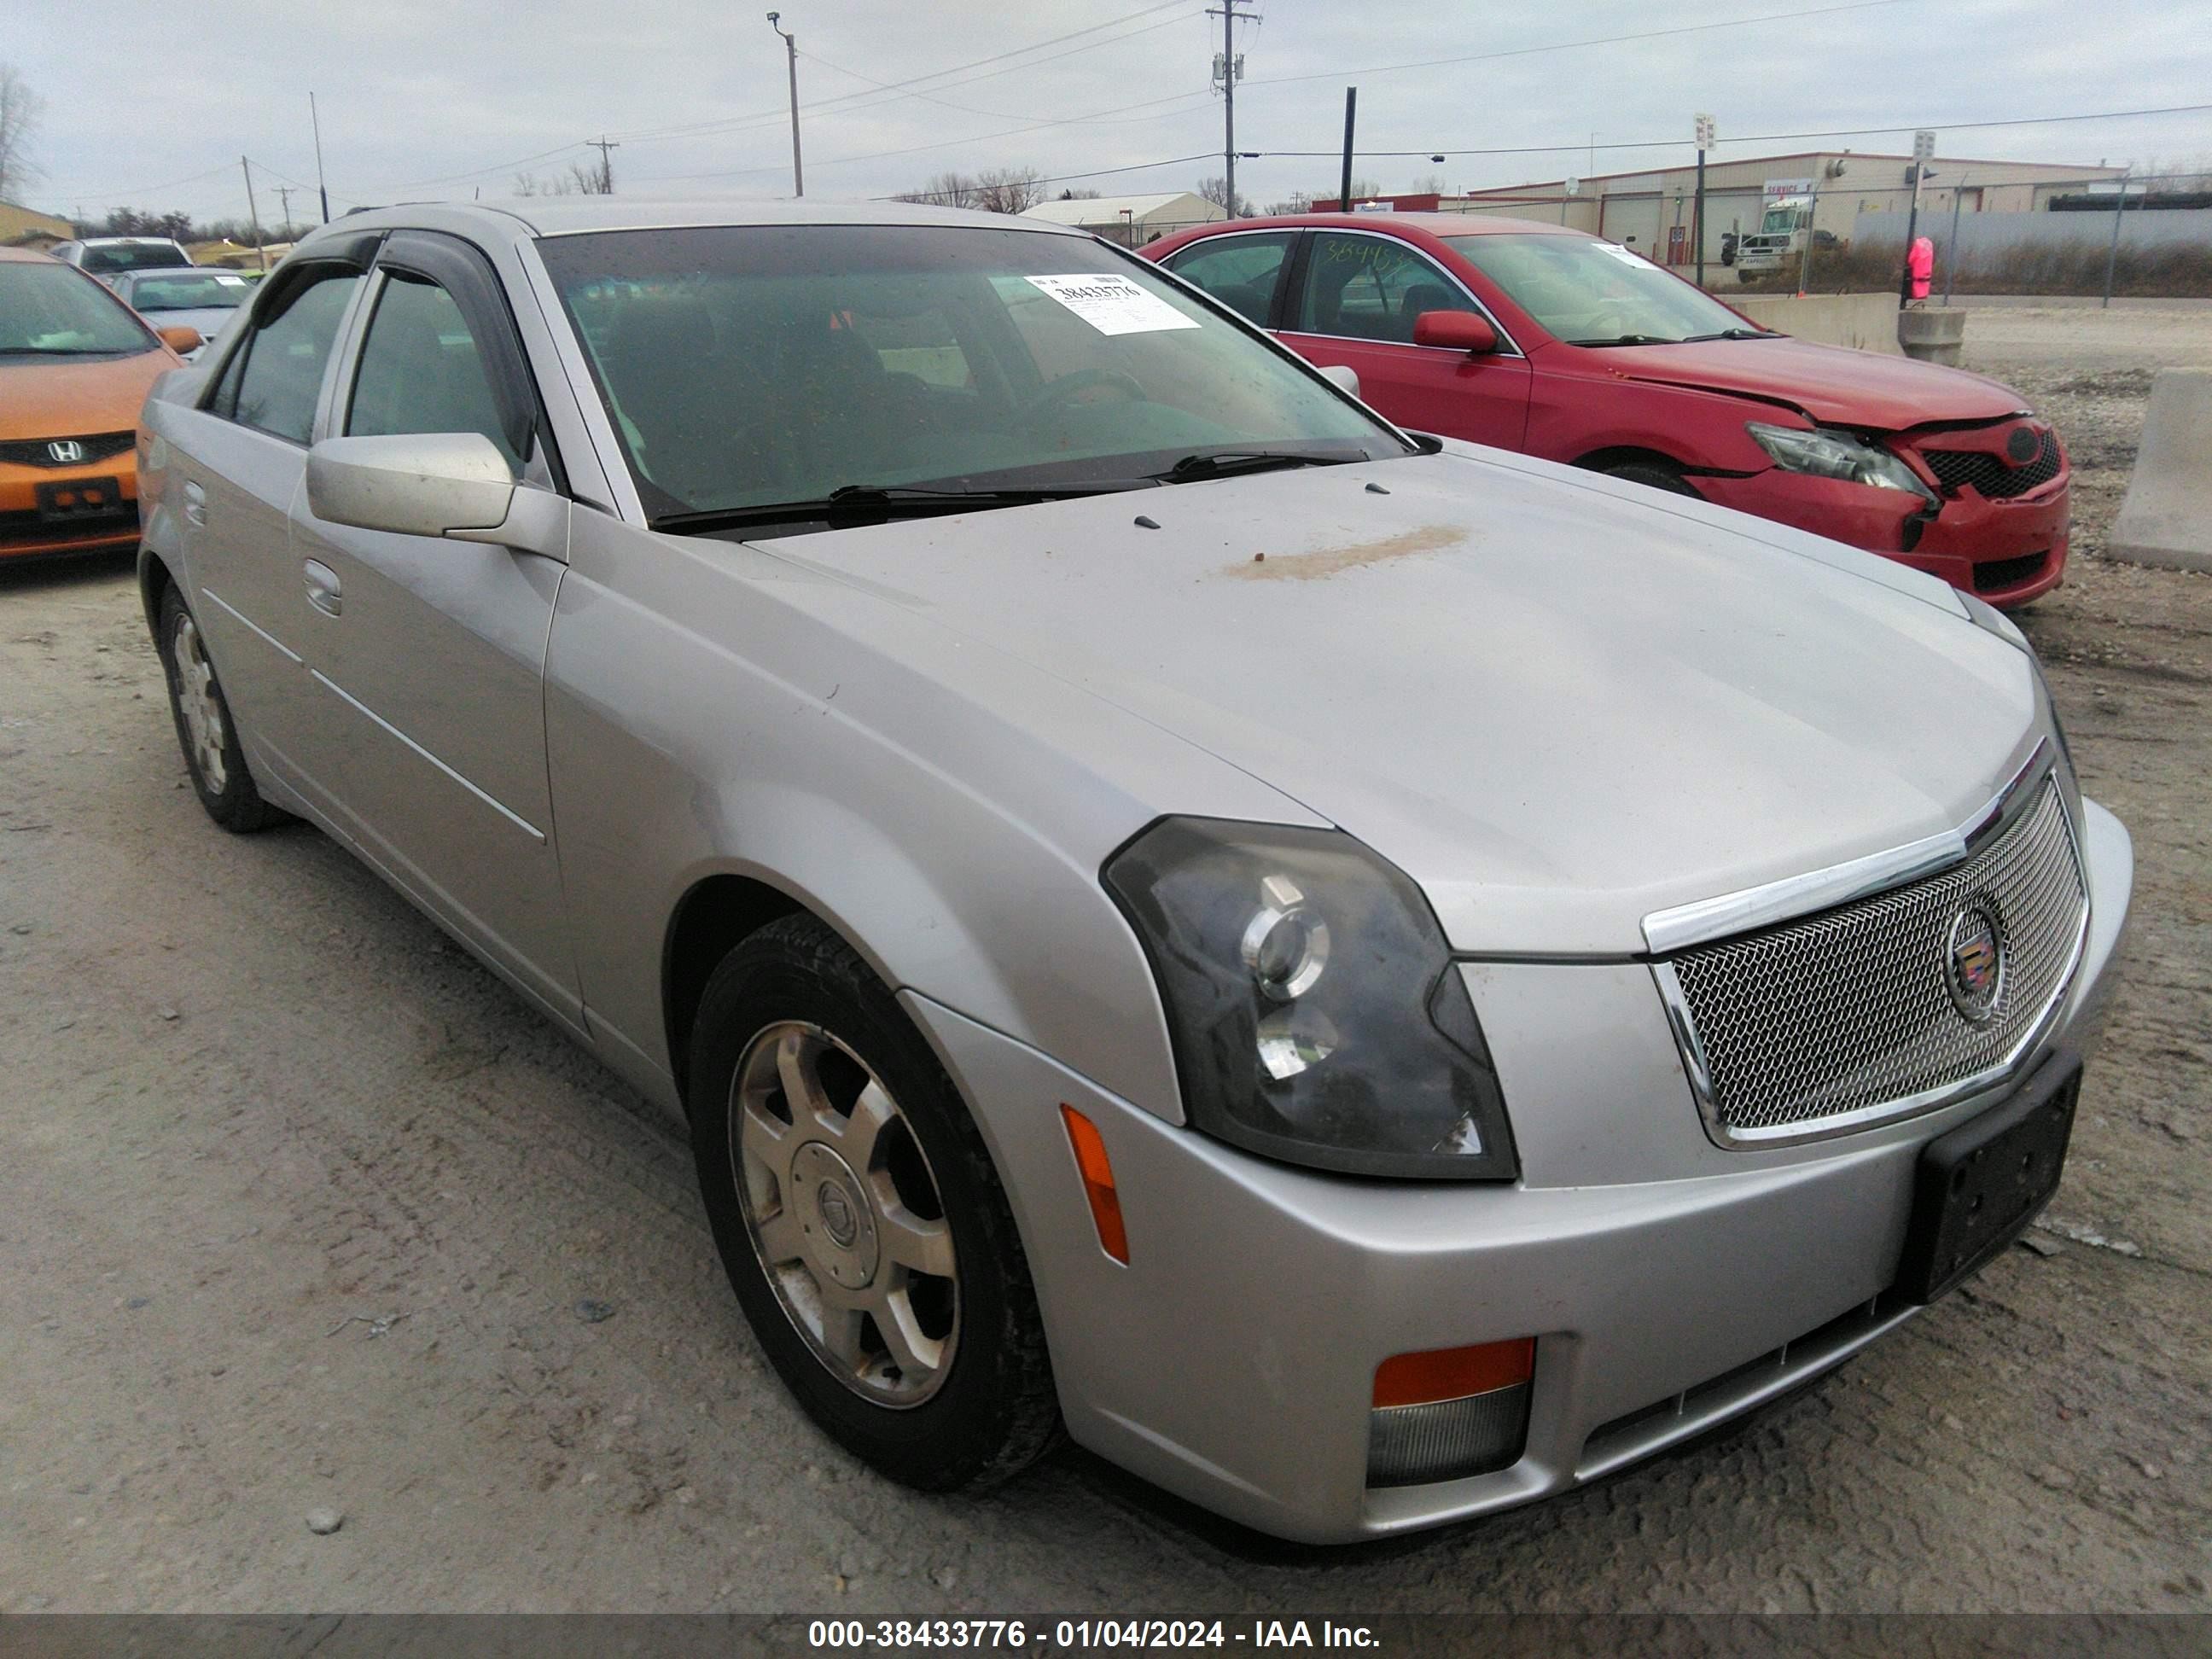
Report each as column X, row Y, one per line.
column 182, row 341
column 418, row 484
column 1461, row 330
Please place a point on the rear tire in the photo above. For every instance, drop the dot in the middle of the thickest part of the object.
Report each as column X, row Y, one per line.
column 860, row 1218
column 205, row 729
column 1654, row 476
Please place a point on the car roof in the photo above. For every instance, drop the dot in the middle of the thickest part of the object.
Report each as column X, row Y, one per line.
column 1437, row 224
column 127, row 241
column 530, row 216
column 173, row 270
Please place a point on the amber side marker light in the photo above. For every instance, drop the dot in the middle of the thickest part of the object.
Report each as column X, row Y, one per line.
column 1097, row 1183
column 1449, row 1412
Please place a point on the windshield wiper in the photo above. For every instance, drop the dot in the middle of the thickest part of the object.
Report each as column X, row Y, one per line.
column 1736, row 334
column 1630, row 339
column 1228, row 463
column 876, row 500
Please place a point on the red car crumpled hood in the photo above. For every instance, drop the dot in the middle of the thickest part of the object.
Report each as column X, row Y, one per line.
column 1833, row 385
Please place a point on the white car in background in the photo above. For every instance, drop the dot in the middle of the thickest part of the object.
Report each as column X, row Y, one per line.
column 203, row 297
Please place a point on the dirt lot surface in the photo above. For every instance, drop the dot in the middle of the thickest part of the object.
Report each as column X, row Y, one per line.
column 303, row 1211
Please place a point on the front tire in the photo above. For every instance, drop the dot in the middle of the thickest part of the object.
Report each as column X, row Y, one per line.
column 860, row 1218
column 205, row 729
column 1655, row 476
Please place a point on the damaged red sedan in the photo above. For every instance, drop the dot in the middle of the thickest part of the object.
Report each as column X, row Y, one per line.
column 1559, row 344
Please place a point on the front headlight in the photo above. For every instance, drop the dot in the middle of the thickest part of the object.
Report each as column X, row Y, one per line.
column 1826, row 453
column 1315, row 1011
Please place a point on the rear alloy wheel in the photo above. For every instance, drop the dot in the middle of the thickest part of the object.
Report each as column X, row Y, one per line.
column 1655, row 476
column 205, row 729
column 860, row 1219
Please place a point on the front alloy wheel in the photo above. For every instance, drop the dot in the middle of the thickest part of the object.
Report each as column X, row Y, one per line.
column 844, row 1214
column 861, row 1218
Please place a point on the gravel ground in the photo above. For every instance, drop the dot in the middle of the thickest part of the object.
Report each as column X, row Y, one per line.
column 303, row 1208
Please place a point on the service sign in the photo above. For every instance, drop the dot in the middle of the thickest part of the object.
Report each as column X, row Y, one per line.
column 1775, row 189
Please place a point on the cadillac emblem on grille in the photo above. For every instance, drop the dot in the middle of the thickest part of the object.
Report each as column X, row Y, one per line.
column 1976, row 971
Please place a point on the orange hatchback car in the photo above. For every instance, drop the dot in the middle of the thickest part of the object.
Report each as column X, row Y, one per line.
column 75, row 366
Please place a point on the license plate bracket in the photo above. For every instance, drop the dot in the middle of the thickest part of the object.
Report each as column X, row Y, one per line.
column 66, row 501
column 1976, row 1189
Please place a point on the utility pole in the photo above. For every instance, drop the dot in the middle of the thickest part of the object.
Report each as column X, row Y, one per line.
column 322, row 187
column 1951, row 249
column 1705, row 131
column 2112, row 247
column 1924, row 151
column 254, row 214
column 1228, row 70
column 604, row 145
column 284, row 207
column 1351, row 107
column 791, row 63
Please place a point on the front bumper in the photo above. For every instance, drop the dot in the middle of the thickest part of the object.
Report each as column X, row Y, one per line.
column 2006, row 552
column 1669, row 1284
column 25, row 530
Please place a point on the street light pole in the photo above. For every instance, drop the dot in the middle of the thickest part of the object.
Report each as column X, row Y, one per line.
column 791, row 63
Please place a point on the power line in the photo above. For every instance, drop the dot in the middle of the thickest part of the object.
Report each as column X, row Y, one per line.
column 1573, row 46
column 848, row 101
column 1584, row 145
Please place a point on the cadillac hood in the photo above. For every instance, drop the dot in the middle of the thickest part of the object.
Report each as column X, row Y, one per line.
column 1558, row 701
column 1832, row 385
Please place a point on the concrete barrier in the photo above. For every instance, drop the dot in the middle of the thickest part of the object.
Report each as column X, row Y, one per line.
column 1934, row 334
column 2167, row 518
column 1866, row 322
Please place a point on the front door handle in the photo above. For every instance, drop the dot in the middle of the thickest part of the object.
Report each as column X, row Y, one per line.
column 195, row 504
column 323, row 591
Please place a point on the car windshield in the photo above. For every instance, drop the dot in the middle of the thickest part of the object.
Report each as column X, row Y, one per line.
column 1592, row 293
column 49, row 310
column 105, row 260
column 196, row 290
column 748, row 366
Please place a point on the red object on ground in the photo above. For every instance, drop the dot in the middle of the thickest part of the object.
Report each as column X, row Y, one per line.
column 1989, row 510
column 1920, row 260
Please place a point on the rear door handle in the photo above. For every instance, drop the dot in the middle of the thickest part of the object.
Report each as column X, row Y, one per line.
column 323, row 591
column 195, row 504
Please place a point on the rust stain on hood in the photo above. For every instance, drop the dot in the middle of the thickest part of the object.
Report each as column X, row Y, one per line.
column 1328, row 560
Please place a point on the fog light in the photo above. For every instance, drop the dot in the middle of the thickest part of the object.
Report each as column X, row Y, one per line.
column 1449, row 1412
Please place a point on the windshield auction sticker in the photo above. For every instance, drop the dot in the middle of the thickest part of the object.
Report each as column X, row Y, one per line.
column 1113, row 305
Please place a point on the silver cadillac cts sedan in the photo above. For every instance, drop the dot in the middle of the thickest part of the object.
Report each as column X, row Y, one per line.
column 1368, row 980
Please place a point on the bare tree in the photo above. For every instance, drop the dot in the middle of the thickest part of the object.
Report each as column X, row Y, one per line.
column 945, row 190
column 1008, row 189
column 1433, row 185
column 1078, row 196
column 1297, row 201
column 21, row 112
column 589, row 179
column 1215, row 191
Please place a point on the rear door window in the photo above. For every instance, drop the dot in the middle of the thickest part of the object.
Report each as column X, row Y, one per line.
column 273, row 384
column 1242, row 272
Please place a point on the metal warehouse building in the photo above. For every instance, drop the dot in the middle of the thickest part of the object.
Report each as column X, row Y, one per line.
column 1654, row 210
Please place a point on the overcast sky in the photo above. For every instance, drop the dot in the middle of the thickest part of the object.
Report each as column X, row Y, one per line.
column 425, row 98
